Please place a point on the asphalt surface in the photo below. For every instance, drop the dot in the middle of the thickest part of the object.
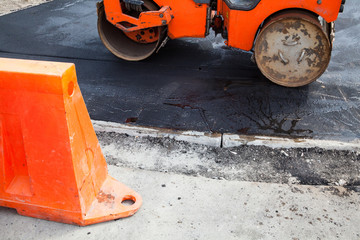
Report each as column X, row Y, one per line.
column 189, row 85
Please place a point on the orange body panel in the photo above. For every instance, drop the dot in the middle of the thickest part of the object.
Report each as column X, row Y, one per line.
column 242, row 26
column 189, row 18
column 51, row 164
column 185, row 18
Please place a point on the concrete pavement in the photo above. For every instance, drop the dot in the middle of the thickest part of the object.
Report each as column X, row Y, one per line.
column 185, row 207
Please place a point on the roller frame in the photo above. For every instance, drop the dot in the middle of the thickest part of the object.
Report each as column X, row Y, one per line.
column 115, row 15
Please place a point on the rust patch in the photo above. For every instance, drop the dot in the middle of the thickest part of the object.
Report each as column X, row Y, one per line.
column 265, row 60
column 105, row 198
column 305, row 32
column 275, row 74
column 264, row 46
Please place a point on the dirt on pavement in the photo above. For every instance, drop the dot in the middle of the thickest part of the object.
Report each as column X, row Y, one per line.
column 7, row 7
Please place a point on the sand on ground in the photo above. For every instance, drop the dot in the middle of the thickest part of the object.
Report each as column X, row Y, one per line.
column 9, row 6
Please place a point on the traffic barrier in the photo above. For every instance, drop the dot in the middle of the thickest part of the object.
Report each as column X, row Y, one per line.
column 51, row 164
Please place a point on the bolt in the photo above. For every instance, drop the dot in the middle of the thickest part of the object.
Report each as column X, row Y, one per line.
column 161, row 15
column 163, row 22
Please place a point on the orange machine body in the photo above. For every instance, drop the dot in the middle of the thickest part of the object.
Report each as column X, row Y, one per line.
column 187, row 18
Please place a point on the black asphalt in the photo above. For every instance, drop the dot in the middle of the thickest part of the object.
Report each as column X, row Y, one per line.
column 188, row 85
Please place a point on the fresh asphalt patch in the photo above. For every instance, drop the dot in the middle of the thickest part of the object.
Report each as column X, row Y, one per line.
column 192, row 84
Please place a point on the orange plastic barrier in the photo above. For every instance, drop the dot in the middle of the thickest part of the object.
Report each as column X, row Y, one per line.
column 51, row 164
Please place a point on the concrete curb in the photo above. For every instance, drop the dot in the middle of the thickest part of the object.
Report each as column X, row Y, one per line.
column 224, row 140
column 209, row 139
column 233, row 140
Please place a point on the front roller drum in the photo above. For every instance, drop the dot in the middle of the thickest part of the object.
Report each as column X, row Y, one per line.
column 292, row 49
column 133, row 45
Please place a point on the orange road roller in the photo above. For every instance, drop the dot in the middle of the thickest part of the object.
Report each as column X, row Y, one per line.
column 291, row 40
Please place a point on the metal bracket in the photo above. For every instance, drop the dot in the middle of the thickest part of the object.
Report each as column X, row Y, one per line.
column 127, row 23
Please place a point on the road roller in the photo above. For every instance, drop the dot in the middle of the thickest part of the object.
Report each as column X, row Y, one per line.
column 291, row 40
